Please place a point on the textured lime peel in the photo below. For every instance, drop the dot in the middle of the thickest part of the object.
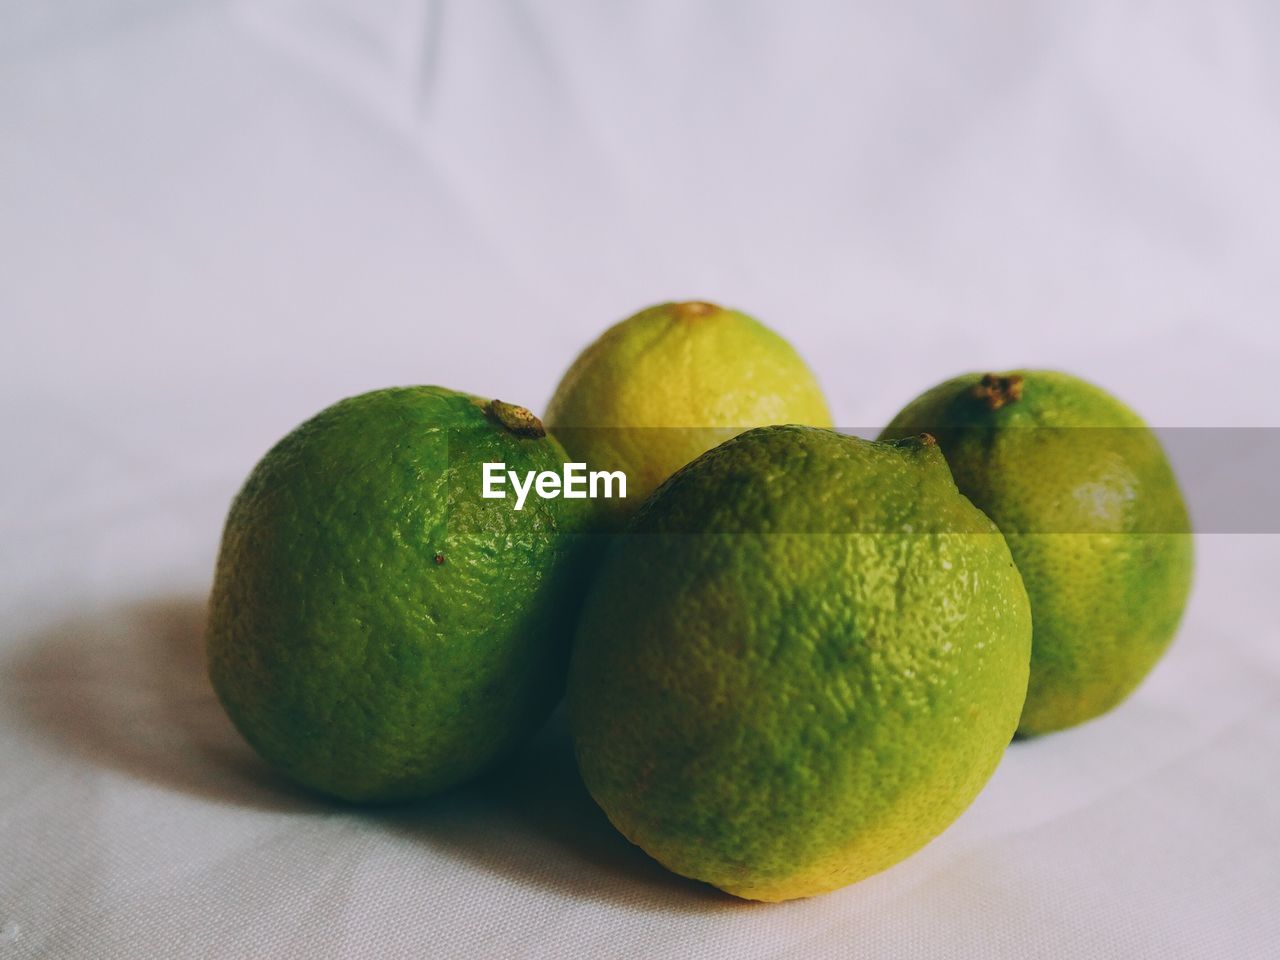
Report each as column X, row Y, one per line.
column 343, row 646
column 671, row 382
column 781, row 714
column 1093, row 516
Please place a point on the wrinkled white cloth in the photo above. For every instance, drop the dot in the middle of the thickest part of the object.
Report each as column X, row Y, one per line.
column 216, row 218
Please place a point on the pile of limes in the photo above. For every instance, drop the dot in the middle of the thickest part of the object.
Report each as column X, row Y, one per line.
column 793, row 656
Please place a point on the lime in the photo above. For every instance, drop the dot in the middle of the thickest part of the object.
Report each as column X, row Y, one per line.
column 671, row 382
column 1094, row 519
column 800, row 662
column 378, row 630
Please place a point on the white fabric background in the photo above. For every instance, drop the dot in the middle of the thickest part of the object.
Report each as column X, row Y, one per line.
column 217, row 218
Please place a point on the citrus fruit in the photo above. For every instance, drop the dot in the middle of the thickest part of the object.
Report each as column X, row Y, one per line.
column 1093, row 516
column 671, row 382
column 378, row 631
column 799, row 662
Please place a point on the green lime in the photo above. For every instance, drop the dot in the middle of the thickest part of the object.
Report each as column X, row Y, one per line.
column 799, row 663
column 1094, row 519
column 378, row 629
column 671, row 382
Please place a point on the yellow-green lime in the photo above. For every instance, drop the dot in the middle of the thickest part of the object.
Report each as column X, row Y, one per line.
column 800, row 661
column 378, row 631
column 1093, row 516
column 671, row 382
